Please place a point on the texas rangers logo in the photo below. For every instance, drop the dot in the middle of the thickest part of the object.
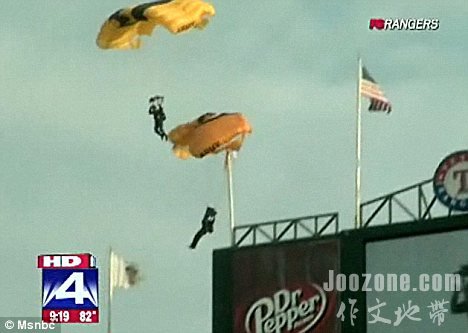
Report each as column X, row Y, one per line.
column 451, row 181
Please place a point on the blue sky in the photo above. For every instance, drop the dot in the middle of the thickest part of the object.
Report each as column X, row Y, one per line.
column 83, row 170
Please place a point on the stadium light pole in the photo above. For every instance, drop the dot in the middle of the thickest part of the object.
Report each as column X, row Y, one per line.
column 230, row 194
column 109, row 305
column 358, row 222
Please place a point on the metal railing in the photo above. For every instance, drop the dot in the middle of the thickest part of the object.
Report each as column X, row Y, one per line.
column 287, row 229
column 413, row 203
column 410, row 203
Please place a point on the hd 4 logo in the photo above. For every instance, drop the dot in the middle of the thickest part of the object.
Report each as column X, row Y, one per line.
column 70, row 289
column 84, row 260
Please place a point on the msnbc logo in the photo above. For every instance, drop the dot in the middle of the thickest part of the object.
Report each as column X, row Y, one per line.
column 404, row 24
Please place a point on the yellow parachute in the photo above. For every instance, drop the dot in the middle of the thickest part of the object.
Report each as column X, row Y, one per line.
column 210, row 133
column 122, row 29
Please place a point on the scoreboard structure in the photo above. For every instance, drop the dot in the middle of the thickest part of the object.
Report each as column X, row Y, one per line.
column 276, row 288
column 429, row 254
column 407, row 277
column 280, row 285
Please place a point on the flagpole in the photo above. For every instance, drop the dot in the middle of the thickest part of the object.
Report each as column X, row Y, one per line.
column 358, row 222
column 230, row 194
column 109, row 305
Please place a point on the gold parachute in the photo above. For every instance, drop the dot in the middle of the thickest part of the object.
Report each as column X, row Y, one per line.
column 210, row 133
column 123, row 29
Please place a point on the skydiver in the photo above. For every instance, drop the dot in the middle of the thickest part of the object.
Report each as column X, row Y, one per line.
column 207, row 226
column 159, row 116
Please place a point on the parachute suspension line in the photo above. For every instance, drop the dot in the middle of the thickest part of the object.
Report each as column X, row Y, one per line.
column 228, row 165
column 216, row 188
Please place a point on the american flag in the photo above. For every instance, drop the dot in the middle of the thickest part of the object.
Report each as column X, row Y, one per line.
column 370, row 89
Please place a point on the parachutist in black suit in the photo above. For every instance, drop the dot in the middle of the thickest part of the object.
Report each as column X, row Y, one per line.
column 459, row 301
column 207, row 226
column 159, row 116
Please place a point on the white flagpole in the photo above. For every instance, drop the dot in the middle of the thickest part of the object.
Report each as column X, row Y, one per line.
column 109, row 305
column 358, row 222
column 230, row 194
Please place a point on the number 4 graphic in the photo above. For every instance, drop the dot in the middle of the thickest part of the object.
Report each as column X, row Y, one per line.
column 73, row 287
column 79, row 294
